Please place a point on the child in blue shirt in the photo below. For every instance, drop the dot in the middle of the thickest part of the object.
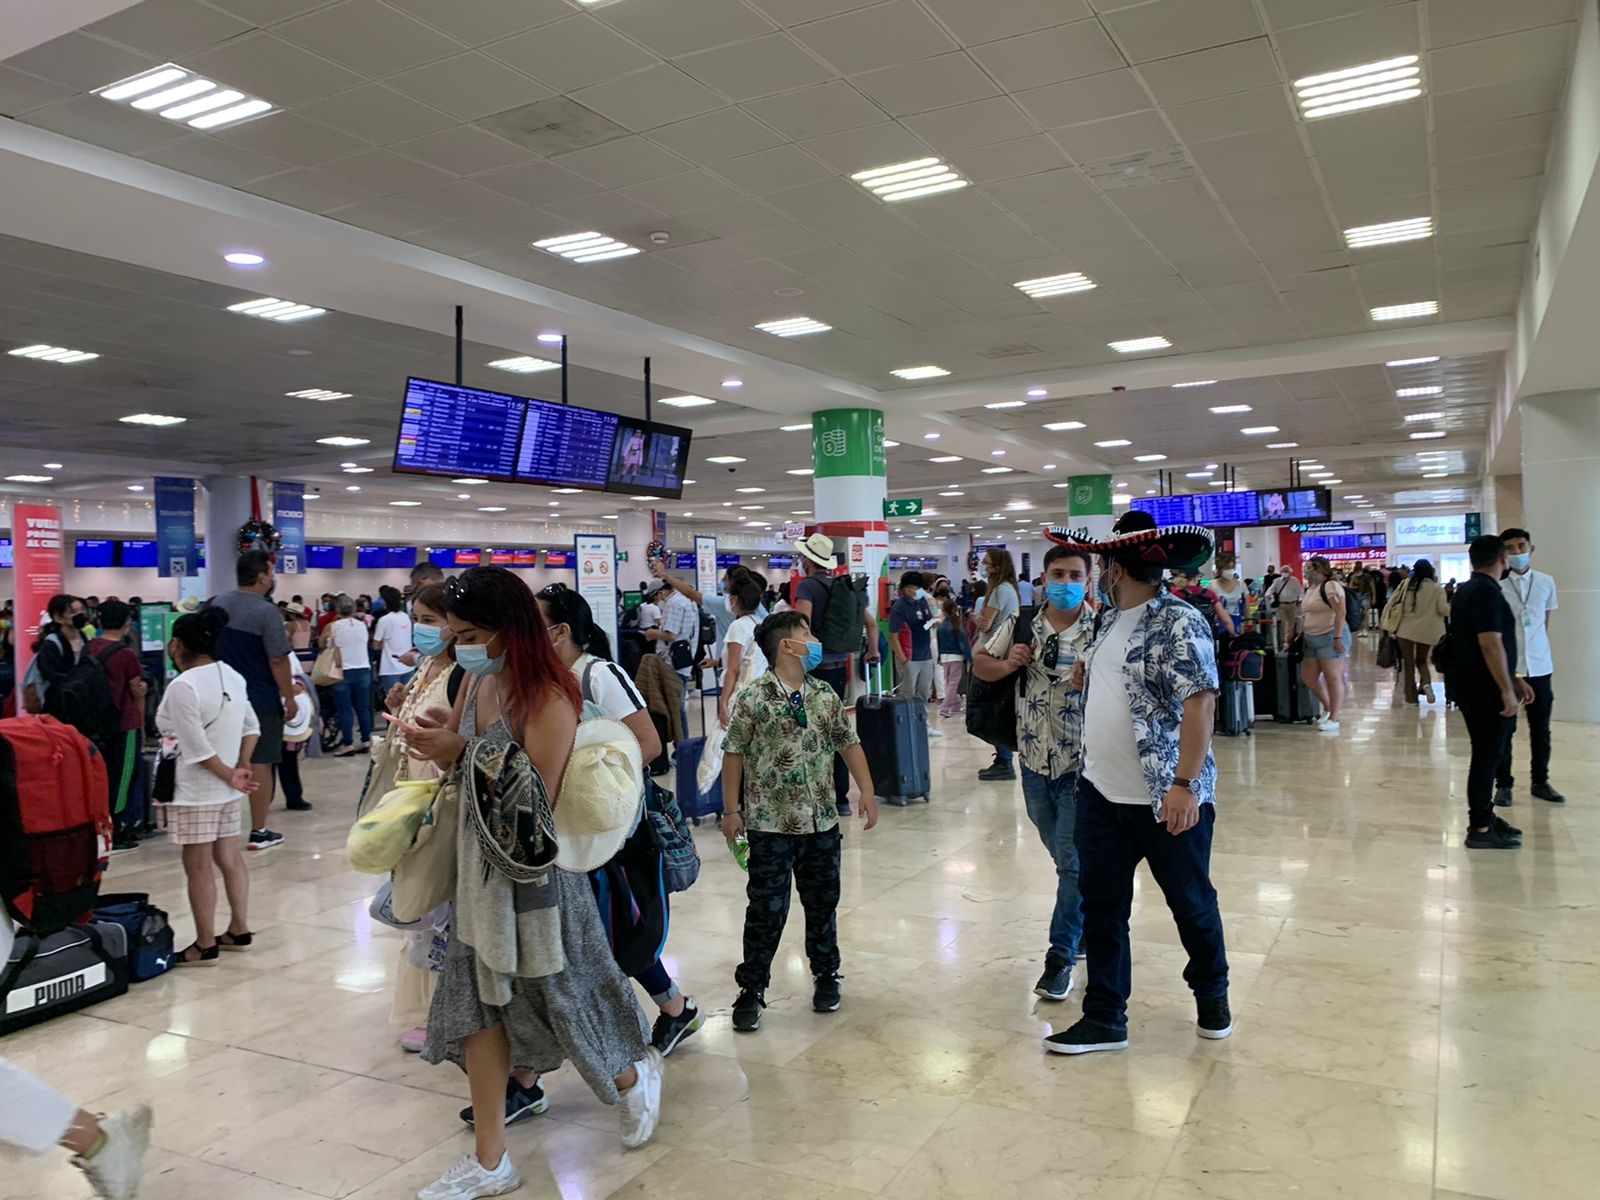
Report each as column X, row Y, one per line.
column 955, row 656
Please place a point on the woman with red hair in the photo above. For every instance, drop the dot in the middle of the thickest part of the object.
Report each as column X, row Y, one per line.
column 564, row 998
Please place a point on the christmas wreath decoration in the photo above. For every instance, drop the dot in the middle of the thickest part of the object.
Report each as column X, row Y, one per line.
column 973, row 560
column 656, row 551
column 256, row 534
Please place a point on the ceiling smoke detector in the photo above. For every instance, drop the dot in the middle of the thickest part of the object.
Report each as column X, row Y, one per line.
column 660, row 237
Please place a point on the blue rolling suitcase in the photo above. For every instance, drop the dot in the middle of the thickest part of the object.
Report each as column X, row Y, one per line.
column 894, row 737
column 692, row 802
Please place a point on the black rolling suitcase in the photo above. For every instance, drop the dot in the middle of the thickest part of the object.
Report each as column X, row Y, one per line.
column 1293, row 702
column 1235, row 708
column 692, row 802
column 894, row 737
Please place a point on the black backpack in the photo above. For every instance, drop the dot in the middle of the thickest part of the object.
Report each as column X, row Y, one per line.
column 840, row 630
column 84, row 700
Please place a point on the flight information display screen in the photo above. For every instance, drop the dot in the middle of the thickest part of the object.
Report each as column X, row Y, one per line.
column 566, row 446
column 1223, row 509
column 1226, row 508
column 94, row 553
column 138, row 554
column 458, row 431
column 325, row 558
column 1168, row 510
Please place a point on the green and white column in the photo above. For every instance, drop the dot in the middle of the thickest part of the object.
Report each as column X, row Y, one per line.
column 850, row 482
column 1089, row 504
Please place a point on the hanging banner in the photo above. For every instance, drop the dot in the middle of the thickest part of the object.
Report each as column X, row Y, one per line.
column 289, row 518
column 596, row 557
column 175, row 537
column 705, row 564
column 37, row 556
column 658, row 526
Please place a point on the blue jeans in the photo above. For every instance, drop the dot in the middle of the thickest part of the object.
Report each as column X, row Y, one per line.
column 385, row 682
column 1112, row 839
column 1003, row 756
column 354, row 691
column 1052, row 807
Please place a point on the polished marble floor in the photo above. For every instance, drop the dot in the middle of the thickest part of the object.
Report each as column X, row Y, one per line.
column 1413, row 1022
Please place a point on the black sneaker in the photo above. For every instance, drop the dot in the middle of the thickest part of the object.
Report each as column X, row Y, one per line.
column 521, row 1103
column 299, row 806
column 124, row 843
column 1085, row 1037
column 825, row 998
column 1543, row 791
column 1213, row 1020
column 1056, row 982
column 669, row 1031
column 747, row 1010
column 264, row 839
column 1506, row 827
column 844, row 809
column 1503, row 797
column 996, row 772
column 1492, row 838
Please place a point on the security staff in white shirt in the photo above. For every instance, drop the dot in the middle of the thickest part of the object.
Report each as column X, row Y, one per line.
column 1532, row 597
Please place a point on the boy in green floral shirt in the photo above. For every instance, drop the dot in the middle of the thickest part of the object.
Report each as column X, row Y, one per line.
column 789, row 727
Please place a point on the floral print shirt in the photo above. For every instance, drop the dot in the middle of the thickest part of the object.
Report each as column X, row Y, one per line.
column 788, row 771
column 1171, row 656
column 1049, row 711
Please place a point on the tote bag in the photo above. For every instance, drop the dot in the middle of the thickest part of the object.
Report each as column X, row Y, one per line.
column 426, row 876
column 329, row 668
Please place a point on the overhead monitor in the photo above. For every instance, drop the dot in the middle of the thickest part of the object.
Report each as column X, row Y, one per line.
column 1221, row 509
column 1294, row 504
column 92, row 553
column 648, row 459
column 5, row 553
column 458, row 432
column 325, row 558
column 1168, row 510
column 138, row 554
column 565, row 446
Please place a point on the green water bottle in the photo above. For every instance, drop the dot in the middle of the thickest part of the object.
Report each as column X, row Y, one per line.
column 740, row 849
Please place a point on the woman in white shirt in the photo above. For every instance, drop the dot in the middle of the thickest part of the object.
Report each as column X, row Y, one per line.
column 210, row 727
column 742, row 659
column 392, row 636
column 353, row 694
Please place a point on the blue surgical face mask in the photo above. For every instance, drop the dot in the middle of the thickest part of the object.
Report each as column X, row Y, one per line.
column 813, row 656
column 428, row 639
column 1518, row 562
column 1065, row 596
column 475, row 660
column 922, row 594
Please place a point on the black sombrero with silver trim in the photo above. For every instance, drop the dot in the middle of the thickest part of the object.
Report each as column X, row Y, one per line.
column 1136, row 538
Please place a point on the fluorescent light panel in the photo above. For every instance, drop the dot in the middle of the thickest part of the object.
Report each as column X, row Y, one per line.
column 524, row 364
column 1427, row 416
column 58, row 354
column 908, row 180
column 1195, row 383
column 586, row 247
column 1063, row 426
column 946, row 458
column 1225, row 409
column 1352, row 89
column 1412, row 362
column 1149, row 458
column 1418, row 391
column 1007, row 404
column 1136, row 345
column 1410, row 230
column 794, row 428
column 997, row 470
column 1258, row 430
column 155, row 420
column 182, row 96
column 318, row 394
column 272, row 309
column 29, row 478
column 725, row 460
column 793, row 327
column 686, row 401
column 344, row 441
column 1427, row 434
column 1055, row 285
column 1399, row 312
column 928, row 372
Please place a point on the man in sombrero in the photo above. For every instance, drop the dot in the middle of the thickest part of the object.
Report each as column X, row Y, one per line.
column 1147, row 784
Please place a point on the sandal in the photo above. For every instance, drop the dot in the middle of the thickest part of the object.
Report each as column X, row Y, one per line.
column 235, row 941
column 193, row 956
column 346, row 752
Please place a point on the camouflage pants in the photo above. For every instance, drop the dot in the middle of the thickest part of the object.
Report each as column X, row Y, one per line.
column 812, row 860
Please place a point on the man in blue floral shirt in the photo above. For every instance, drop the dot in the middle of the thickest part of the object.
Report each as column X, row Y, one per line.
column 1147, row 785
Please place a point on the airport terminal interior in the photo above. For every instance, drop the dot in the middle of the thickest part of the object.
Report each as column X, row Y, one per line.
column 382, row 318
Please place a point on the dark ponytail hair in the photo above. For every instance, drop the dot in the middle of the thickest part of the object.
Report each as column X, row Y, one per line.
column 198, row 632
column 568, row 608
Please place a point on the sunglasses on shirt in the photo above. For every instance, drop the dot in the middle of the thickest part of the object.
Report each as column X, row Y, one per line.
column 797, row 706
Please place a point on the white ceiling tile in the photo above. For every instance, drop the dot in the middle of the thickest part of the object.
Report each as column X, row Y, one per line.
column 483, row 21
column 1112, row 263
column 684, row 26
column 1093, row 98
column 169, row 29
column 90, row 119
column 1512, row 165
column 714, row 137
column 393, row 218
column 469, row 86
column 266, row 12
column 648, row 99
column 968, row 125
column 823, row 198
column 1495, row 137
column 1291, row 175
column 1006, row 160
column 862, row 149
column 571, row 54
column 1288, row 14
column 384, row 172
column 1050, row 55
column 19, row 92
column 273, row 69
column 376, row 113
column 1216, row 72
column 1043, row 187
column 368, row 37
column 1167, row 27
column 1362, row 37
column 1453, row 21
column 623, row 161
column 82, row 63
column 946, row 208
column 1531, row 54
column 1497, row 102
column 306, row 188
column 537, row 183
column 684, row 192
column 1376, row 134
column 774, row 63
column 292, row 138
column 1119, row 135
column 748, row 221
column 940, row 82
column 1248, row 150
column 882, row 36
column 1306, row 233
column 978, row 21
column 1269, row 207
column 462, row 200
column 1220, row 268
column 774, row 170
column 788, row 13
column 826, row 108
column 864, row 226
column 207, row 158
column 1239, row 112
column 603, row 211
column 463, row 150
column 1064, row 214
column 1181, row 194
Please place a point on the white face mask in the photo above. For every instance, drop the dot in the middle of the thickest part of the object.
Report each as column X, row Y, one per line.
column 1228, row 573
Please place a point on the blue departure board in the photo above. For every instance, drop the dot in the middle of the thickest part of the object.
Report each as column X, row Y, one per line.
column 1168, row 510
column 138, row 554
column 565, row 446
column 94, row 553
column 325, row 558
column 5, row 553
column 1221, row 509
column 458, row 431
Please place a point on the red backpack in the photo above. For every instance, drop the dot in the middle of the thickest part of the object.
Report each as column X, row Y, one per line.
column 54, row 812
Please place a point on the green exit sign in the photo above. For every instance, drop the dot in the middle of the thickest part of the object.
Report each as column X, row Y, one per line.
column 902, row 508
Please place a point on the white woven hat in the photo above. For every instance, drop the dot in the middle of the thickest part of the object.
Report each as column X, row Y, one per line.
column 298, row 727
column 818, row 548
column 601, row 795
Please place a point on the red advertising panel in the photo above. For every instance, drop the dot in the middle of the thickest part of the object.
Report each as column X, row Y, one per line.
column 36, row 534
column 501, row 558
column 525, row 558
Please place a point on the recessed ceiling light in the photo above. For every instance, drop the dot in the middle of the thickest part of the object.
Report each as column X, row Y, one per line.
column 724, row 460
column 1282, row 445
column 1435, row 474
column 1332, row 482
column 1136, row 345
column 1199, row 474
column 586, row 247
column 908, row 180
column 1113, row 443
column 689, row 482
column 801, row 471
column 318, row 394
column 952, row 493
column 468, row 479
column 524, row 364
column 930, row 437
column 1225, row 409
column 463, row 495
column 793, row 327
column 58, row 354
column 29, row 478
column 272, row 309
column 243, row 258
column 310, row 496
column 1048, row 467
column 732, row 382
column 748, row 490
column 888, row 445
column 927, row 372
column 1429, row 416
column 1256, row 430
column 553, row 504
column 1368, row 85
column 552, row 338
column 180, row 95
column 565, row 491
column 492, row 508
column 51, row 466
column 1062, row 426
column 752, row 508
column 1418, row 391
column 947, row 524
column 997, row 470
column 794, row 428
column 1055, row 285
column 344, row 441
column 686, row 401
column 997, row 454
column 354, row 487
column 354, row 470
column 1412, row 230
column 946, row 458
column 158, row 420
column 1149, row 458
column 1412, row 362
column 801, row 512
column 1360, row 497
column 405, row 503
column 1317, row 474
column 1038, row 393
column 1399, row 312
column 1195, row 383
column 641, row 497
column 1432, row 433
column 1008, row 404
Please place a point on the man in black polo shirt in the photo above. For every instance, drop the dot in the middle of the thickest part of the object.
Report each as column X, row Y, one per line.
column 1483, row 642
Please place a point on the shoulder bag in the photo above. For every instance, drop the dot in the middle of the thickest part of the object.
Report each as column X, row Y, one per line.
column 992, row 707
column 1392, row 615
column 329, row 667
column 425, row 876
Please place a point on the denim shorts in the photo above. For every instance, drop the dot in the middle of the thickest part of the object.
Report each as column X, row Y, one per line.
column 1320, row 645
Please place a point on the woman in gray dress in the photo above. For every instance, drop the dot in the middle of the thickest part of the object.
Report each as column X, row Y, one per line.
column 529, row 980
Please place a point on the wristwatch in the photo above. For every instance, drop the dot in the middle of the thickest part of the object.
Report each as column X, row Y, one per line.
column 1192, row 784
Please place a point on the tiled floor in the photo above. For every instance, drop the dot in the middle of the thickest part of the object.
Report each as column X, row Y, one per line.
column 1413, row 1022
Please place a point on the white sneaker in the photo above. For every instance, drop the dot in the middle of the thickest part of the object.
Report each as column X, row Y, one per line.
column 115, row 1170
column 469, row 1179
column 641, row 1104
column 932, row 732
column 1329, row 727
